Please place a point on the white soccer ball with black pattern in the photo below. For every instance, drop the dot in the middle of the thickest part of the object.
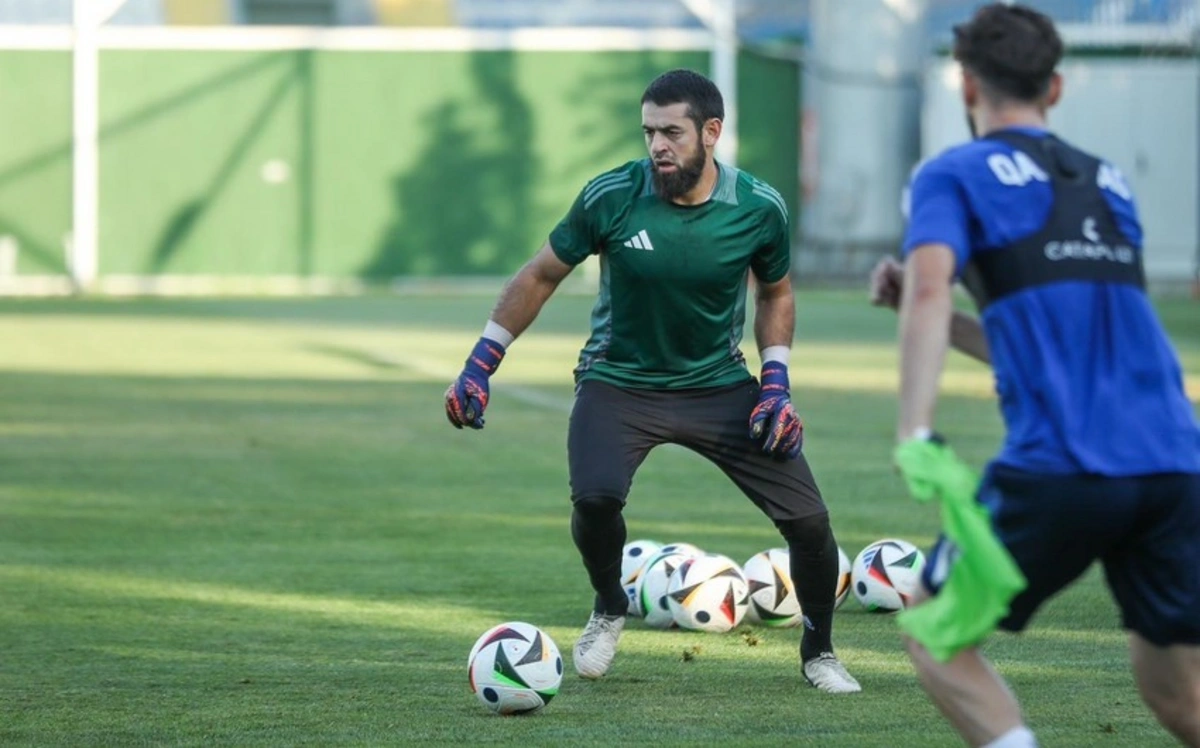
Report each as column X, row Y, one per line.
column 515, row 668
column 773, row 600
column 678, row 547
column 886, row 574
column 634, row 556
column 651, row 588
column 708, row 593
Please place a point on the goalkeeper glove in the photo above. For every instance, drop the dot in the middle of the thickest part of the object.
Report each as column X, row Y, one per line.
column 467, row 396
column 774, row 421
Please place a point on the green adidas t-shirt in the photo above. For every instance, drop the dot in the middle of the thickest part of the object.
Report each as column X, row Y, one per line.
column 673, row 278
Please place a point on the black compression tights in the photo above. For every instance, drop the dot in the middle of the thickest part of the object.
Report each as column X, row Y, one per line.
column 814, row 567
column 598, row 528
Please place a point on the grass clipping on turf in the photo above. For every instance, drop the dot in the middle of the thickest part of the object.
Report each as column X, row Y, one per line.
column 983, row 577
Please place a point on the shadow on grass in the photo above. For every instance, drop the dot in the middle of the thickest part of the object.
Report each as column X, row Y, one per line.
column 244, row 561
column 241, row 561
column 221, row 660
column 837, row 317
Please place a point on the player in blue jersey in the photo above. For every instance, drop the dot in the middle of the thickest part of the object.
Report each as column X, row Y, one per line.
column 1101, row 460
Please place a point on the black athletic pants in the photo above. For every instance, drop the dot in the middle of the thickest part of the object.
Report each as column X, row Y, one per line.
column 612, row 429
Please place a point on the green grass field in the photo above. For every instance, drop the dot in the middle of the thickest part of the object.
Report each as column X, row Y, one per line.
column 246, row 522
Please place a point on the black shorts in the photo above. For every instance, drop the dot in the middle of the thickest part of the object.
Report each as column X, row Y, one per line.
column 613, row 429
column 1145, row 531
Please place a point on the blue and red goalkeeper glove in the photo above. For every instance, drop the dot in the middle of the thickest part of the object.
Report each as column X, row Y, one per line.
column 774, row 421
column 467, row 396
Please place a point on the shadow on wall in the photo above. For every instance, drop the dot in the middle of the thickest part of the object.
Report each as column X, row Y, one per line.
column 181, row 224
column 297, row 74
column 468, row 203
column 462, row 209
column 615, row 89
column 47, row 256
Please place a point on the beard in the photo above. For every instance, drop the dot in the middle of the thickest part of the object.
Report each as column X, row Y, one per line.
column 679, row 182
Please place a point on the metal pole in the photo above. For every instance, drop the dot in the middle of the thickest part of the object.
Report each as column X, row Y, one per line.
column 720, row 16
column 725, row 75
column 83, row 259
column 83, row 250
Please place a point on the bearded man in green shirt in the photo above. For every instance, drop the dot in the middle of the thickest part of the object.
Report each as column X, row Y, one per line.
column 677, row 235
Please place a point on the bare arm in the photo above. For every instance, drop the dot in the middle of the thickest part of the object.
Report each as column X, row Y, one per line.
column 522, row 298
column 774, row 314
column 527, row 292
column 966, row 333
column 966, row 336
column 926, row 308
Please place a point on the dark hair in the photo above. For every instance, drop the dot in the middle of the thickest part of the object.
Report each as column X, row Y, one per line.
column 1012, row 48
column 687, row 87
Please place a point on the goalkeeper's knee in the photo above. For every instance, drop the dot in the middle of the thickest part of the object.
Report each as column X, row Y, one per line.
column 811, row 533
column 598, row 506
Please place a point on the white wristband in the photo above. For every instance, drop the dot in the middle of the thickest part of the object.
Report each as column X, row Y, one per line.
column 495, row 332
column 921, row 432
column 778, row 353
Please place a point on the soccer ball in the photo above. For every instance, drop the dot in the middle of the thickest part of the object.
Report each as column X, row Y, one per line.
column 633, row 559
column 843, row 580
column 651, row 588
column 708, row 593
column 515, row 668
column 773, row 600
column 688, row 548
column 886, row 574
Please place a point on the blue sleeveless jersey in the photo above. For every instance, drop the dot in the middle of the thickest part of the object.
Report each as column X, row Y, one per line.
column 1048, row 241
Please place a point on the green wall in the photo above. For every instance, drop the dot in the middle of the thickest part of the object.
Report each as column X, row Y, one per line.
column 368, row 164
column 35, row 157
column 769, row 124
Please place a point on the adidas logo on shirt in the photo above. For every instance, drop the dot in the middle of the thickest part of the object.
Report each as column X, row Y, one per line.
column 640, row 240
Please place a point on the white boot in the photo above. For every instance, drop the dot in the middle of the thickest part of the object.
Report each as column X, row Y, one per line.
column 597, row 646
